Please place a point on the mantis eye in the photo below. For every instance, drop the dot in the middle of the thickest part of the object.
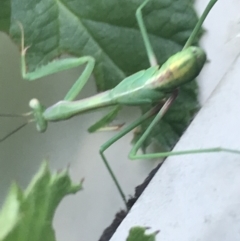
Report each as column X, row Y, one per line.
column 34, row 104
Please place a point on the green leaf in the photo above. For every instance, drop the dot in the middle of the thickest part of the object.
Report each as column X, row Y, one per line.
column 138, row 234
column 5, row 15
column 108, row 31
column 28, row 215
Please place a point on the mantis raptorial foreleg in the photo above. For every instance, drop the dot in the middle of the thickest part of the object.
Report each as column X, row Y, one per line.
column 56, row 66
column 65, row 64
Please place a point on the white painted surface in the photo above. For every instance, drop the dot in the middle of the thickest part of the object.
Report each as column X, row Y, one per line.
column 221, row 42
column 85, row 215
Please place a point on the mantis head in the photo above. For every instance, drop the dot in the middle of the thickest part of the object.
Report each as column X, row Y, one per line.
column 38, row 110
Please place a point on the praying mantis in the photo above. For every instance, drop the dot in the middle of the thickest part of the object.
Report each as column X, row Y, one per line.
column 153, row 85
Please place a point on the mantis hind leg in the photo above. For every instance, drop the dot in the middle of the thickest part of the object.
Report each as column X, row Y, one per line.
column 198, row 26
column 120, row 134
column 133, row 153
column 57, row 66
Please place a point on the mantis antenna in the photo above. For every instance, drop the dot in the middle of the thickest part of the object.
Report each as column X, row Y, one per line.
column 19, row 127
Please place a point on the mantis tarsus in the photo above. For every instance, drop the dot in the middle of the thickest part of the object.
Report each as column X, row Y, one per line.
column 152, row 85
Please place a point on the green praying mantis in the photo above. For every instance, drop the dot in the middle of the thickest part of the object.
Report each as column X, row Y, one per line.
column 151, row 86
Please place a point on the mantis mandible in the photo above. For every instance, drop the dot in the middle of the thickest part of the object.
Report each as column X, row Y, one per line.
column 150, row 86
